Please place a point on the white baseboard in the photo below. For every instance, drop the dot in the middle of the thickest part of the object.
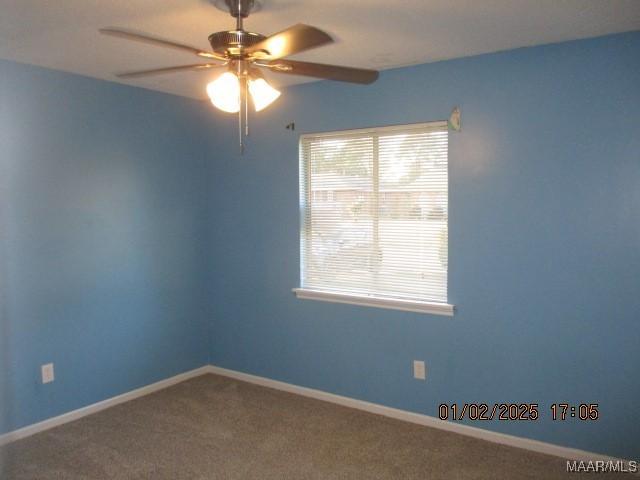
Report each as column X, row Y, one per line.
column 96, row 407
column 418, row 418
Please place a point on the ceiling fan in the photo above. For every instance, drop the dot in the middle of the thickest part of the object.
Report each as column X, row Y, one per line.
column 243, row 54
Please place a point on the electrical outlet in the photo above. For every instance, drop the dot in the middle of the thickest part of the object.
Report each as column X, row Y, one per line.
column 419, row 370
column 47, row 373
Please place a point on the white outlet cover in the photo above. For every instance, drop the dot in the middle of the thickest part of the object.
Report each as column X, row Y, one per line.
column 48, row 375
column 419, row 370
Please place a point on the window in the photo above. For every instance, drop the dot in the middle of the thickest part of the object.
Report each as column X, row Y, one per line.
column 374, row 217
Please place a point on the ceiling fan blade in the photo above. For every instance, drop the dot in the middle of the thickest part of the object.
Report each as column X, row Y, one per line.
column 160, row 71
column 295, row 39
column 329, row 72
column 144, row 38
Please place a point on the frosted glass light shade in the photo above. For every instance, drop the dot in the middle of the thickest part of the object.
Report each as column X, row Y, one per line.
column 262, row 93
column 224, row 92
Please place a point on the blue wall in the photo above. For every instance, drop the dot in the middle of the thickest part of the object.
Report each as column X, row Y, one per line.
column 103, row 227
column 544, row 244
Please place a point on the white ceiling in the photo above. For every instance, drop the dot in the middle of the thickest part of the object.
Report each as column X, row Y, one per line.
column 380, row 34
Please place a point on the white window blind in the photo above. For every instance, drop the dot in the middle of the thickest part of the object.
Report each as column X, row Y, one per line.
column 374, row 213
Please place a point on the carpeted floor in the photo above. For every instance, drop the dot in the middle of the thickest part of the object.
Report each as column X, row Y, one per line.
column 212, row 427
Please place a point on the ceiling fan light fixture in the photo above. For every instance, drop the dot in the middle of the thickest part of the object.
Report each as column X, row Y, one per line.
column 224, row 92
column 262, row 93
column 245, row 53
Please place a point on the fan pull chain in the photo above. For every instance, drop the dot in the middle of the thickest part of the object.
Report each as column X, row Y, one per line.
column 243, row 112
column 240, row 133
column 242, row 103
column 246, row 106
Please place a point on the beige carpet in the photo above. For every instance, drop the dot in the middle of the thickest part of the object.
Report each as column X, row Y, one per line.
column 211, row 427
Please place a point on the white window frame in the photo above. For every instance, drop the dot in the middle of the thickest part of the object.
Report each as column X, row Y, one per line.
column 370, row 300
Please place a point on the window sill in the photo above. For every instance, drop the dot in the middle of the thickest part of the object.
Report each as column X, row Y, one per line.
column 379, row 302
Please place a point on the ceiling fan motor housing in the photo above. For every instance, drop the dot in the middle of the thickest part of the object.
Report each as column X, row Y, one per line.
column 233, row 41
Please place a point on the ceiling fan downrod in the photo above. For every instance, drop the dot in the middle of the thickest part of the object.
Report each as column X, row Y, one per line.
column 239, row 9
